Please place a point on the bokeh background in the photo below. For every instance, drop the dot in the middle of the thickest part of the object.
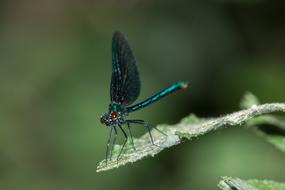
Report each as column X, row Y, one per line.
column 55, row 69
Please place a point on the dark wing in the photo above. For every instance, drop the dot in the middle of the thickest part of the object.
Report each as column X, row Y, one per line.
column 125, row 83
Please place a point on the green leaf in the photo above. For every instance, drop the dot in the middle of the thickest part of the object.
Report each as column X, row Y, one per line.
column 273, row 130
column 278, row 141
column 229, row 183
column 188, row 128
column 267, row 185
column 270, row 127
column 249, row 100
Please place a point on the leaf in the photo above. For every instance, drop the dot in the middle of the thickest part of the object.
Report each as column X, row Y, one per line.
column 270, row 127
column 249, row 100
column 188, row 128
column 229, row 183
column 267, row 184
column 275, row 133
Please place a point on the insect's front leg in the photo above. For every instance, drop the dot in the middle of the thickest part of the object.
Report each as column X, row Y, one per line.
column 108, row 144
column 114, row 140
column 126, row 139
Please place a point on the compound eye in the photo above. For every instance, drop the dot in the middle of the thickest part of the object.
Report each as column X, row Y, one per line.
column 102, row 120
column 114, row 115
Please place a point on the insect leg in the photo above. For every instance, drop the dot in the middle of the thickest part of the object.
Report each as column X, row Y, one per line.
column 114, row 141
column 142, row 122
column 149, row 132
column 130, row 131
column 145, row 124
column 126, row 139
column 108, row 144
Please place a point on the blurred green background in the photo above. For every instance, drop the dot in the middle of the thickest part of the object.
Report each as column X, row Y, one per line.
column 55, row 69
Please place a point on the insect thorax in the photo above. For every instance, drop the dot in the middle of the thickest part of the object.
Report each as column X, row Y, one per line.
column 115, row 107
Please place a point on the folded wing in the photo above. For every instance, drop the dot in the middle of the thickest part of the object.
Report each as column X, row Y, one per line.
column 125, row 82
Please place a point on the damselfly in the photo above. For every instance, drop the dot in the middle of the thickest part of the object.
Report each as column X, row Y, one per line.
column 124, row 90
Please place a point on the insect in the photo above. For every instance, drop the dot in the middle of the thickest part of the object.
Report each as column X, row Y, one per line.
column 124, row 90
